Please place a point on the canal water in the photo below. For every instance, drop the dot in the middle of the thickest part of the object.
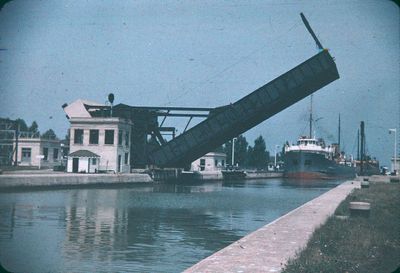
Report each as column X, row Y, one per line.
column 155, row 228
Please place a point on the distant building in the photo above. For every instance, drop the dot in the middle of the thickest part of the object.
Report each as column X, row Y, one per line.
column 213, row 161
column 97, row 143
column 34, row 150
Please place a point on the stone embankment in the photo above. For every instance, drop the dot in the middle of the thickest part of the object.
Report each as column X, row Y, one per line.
column 270, row 247
column 35, row 180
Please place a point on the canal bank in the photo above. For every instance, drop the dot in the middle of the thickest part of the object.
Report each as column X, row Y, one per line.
column 54, row 180
column 269, row 248
column 46, row 178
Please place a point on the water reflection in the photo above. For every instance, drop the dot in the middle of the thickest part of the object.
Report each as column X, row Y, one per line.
column 158, row 228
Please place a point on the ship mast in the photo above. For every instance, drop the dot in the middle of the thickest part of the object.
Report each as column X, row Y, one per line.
column 311, row 116
column 339, row 134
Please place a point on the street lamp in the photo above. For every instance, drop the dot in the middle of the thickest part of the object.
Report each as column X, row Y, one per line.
column 233, row 150
column 276, row 146
column 395, row 152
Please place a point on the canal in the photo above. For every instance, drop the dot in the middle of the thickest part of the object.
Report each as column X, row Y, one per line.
column 152, row 228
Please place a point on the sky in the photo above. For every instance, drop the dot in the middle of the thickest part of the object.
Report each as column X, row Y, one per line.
column 203, row 54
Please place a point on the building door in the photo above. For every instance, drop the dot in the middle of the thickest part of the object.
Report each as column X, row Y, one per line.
column 75, row 164
column 119, row 163
column 26, row 155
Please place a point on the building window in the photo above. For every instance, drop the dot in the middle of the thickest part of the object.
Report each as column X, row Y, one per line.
column 26, row 154
column 94, row 137
column 223, row 163
column 109, row 137
column 55, row 153
column 295, row 162
column 126, row 158
column 46, row 153
column 120, row 137
column 127, row 139
column 202, row 164
column 78, row 136
column 216, row 162
column 94, row 161
column 307, row 162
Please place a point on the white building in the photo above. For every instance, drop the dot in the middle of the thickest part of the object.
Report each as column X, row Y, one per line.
column 83, row 161
column 213, row 161
column 32, row 149
column 97, row 144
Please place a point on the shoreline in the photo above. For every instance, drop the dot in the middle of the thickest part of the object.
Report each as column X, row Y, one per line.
column 36, row 180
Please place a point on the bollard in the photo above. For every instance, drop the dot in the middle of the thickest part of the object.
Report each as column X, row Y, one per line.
column 364, row 184
column 342, row 217
column 360, row 209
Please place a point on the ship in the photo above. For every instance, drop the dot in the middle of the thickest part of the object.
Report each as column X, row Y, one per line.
column 311, row 158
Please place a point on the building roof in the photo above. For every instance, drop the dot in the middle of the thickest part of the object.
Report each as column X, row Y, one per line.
column 78, row 109
column 83, row 153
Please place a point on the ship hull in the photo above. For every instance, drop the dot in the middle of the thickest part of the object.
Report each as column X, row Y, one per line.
column 310, row 165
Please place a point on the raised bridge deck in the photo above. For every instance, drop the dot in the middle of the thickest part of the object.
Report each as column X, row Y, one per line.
column 236, row 118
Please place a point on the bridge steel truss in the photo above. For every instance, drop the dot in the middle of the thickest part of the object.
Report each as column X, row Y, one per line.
column 236, row 118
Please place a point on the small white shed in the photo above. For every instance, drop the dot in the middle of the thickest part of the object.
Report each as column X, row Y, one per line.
column 83, row 161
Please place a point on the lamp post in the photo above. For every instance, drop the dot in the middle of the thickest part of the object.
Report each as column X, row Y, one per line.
column 233, row 150
column 395, row 150
column 276, row 146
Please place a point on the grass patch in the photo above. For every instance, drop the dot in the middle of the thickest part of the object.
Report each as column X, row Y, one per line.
column 357, row 244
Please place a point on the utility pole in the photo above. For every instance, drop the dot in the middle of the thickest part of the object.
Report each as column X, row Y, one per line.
column 358, row 144
column 362, row 148
column 16, row 142
column 233, row 151
column 339, row 134
column 395, row 149
column 311, row 117
column 276, row 146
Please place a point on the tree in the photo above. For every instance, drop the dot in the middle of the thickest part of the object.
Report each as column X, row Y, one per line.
column 241, row 145
column 49, row 134
column 33, row 128
column 22, row 124
column 258, row 155
column 249, row 157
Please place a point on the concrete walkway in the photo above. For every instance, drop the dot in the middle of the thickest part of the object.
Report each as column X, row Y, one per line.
column 269, row 248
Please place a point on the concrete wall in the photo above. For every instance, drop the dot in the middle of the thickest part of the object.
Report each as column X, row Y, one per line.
column 108, row 152
column 69, row 165
column 83, row 164
column 79, row 180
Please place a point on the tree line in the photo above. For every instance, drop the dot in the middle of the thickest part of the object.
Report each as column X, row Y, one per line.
column 245, row 155
column 34, row 129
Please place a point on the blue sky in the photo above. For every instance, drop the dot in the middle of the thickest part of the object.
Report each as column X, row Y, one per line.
column 203, row 54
